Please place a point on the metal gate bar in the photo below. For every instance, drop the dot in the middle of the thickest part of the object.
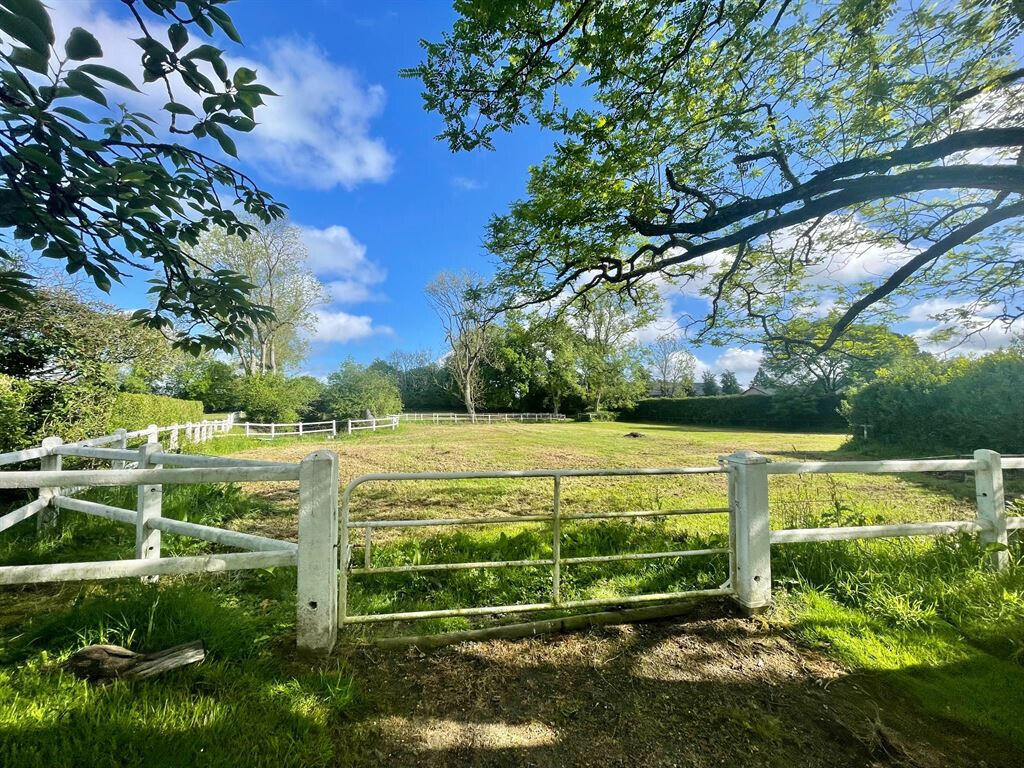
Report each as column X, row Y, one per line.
column 555, row 562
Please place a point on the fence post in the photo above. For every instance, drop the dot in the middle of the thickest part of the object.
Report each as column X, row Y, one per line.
column 556, row 543
column 273, row 427
column 751, row 530
column 988, row 489
column 188, row 432
column 317, row 593
column 152, row 434
column 150, row 502
column 349, row 427
column 173, row 443
column 334, row 427
column 300, row 429
column 122, row 443
column 47, row 518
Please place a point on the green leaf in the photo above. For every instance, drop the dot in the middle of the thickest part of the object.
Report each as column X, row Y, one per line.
column 73, row 113
column 35, row 12
column 225, row 141
column 24, row 31
column 178, row 109
column 29, row 59
column 85, row 86
column 243, row 76
column 178, row 36
column 81, row 45
column 224, row 22
column 110, row 75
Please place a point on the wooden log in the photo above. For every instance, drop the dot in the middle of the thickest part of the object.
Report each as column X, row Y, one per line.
column 106, row 663
column 542, row 627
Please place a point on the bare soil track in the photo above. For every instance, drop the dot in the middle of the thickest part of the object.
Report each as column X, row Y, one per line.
column 710, row 689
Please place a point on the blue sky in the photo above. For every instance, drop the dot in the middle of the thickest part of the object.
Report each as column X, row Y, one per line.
column 348, row 147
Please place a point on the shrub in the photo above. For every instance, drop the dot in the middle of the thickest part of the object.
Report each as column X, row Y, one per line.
column 957, row 406
column 353, row 389
column 271, row 397
column 786, row 410
column 132, row 411
column 15, row 422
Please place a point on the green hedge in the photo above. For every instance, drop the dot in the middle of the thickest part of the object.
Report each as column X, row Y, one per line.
column 784, row 411
column 15, row 423
column 32, row 410
column 928, row 406
column 132, row 411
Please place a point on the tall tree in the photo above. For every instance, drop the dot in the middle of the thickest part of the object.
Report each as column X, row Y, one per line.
column 561, row 361
column 674, row 365
column 709, row 384
column 462, row 304
column 613, row 372
column 274, row 259
column 730, row 384
column 97, row 189
column 852, row 360
column 763, row 147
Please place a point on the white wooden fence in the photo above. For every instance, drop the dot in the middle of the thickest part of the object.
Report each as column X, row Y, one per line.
column 315, row 555
column 481, row 418
column 386, row 422
column 324, row 567
column 750, row 536
column 286, row 429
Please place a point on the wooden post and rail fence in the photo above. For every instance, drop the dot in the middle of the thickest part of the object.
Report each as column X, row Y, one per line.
column 323, row 553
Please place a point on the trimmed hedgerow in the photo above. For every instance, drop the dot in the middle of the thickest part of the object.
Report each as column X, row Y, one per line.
column 137, row 411
column 782, row 411
column 958, row 406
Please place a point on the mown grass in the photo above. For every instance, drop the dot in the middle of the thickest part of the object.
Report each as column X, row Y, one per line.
column 921, row 617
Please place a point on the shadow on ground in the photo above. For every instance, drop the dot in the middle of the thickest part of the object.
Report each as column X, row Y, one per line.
column 707, row 691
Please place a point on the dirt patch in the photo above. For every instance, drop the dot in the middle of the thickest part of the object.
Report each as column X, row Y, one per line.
column 706, row 691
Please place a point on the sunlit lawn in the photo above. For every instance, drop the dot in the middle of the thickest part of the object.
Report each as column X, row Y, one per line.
column 923, row 616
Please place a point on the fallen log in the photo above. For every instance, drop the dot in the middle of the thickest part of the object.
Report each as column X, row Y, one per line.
column 104, row 663
column 544, row 626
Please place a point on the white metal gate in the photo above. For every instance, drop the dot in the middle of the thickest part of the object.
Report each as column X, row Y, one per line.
column 555, row 563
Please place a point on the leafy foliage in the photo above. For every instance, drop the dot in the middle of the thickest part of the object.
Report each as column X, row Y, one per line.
column 761, row 149
column 213, row 382
column 272, row 397
column 133, row 411
column 798, row 411
column 14, row 417
column 927, row 405
column 99, row 190
column 730, row 384
column 353, row 389
column 709, row 384
column 796, row 359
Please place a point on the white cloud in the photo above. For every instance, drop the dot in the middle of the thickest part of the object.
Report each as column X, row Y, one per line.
column 743, row 362
column 341, row 327
column 334, row 252
column 465, row 183
column 317, row 133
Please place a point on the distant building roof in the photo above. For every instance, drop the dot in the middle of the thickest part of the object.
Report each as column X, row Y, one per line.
column 753, row 390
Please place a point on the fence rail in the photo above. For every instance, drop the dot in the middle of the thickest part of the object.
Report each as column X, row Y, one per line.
column 149, row 468
column 480, row 418
column 750, row 534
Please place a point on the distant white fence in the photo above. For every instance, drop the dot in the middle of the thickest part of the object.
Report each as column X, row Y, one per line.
column 286, row 429
column 481, row 418
column 315, row 555
column 386, row 422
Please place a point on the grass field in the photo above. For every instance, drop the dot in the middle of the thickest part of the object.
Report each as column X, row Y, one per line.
column 919, row 619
